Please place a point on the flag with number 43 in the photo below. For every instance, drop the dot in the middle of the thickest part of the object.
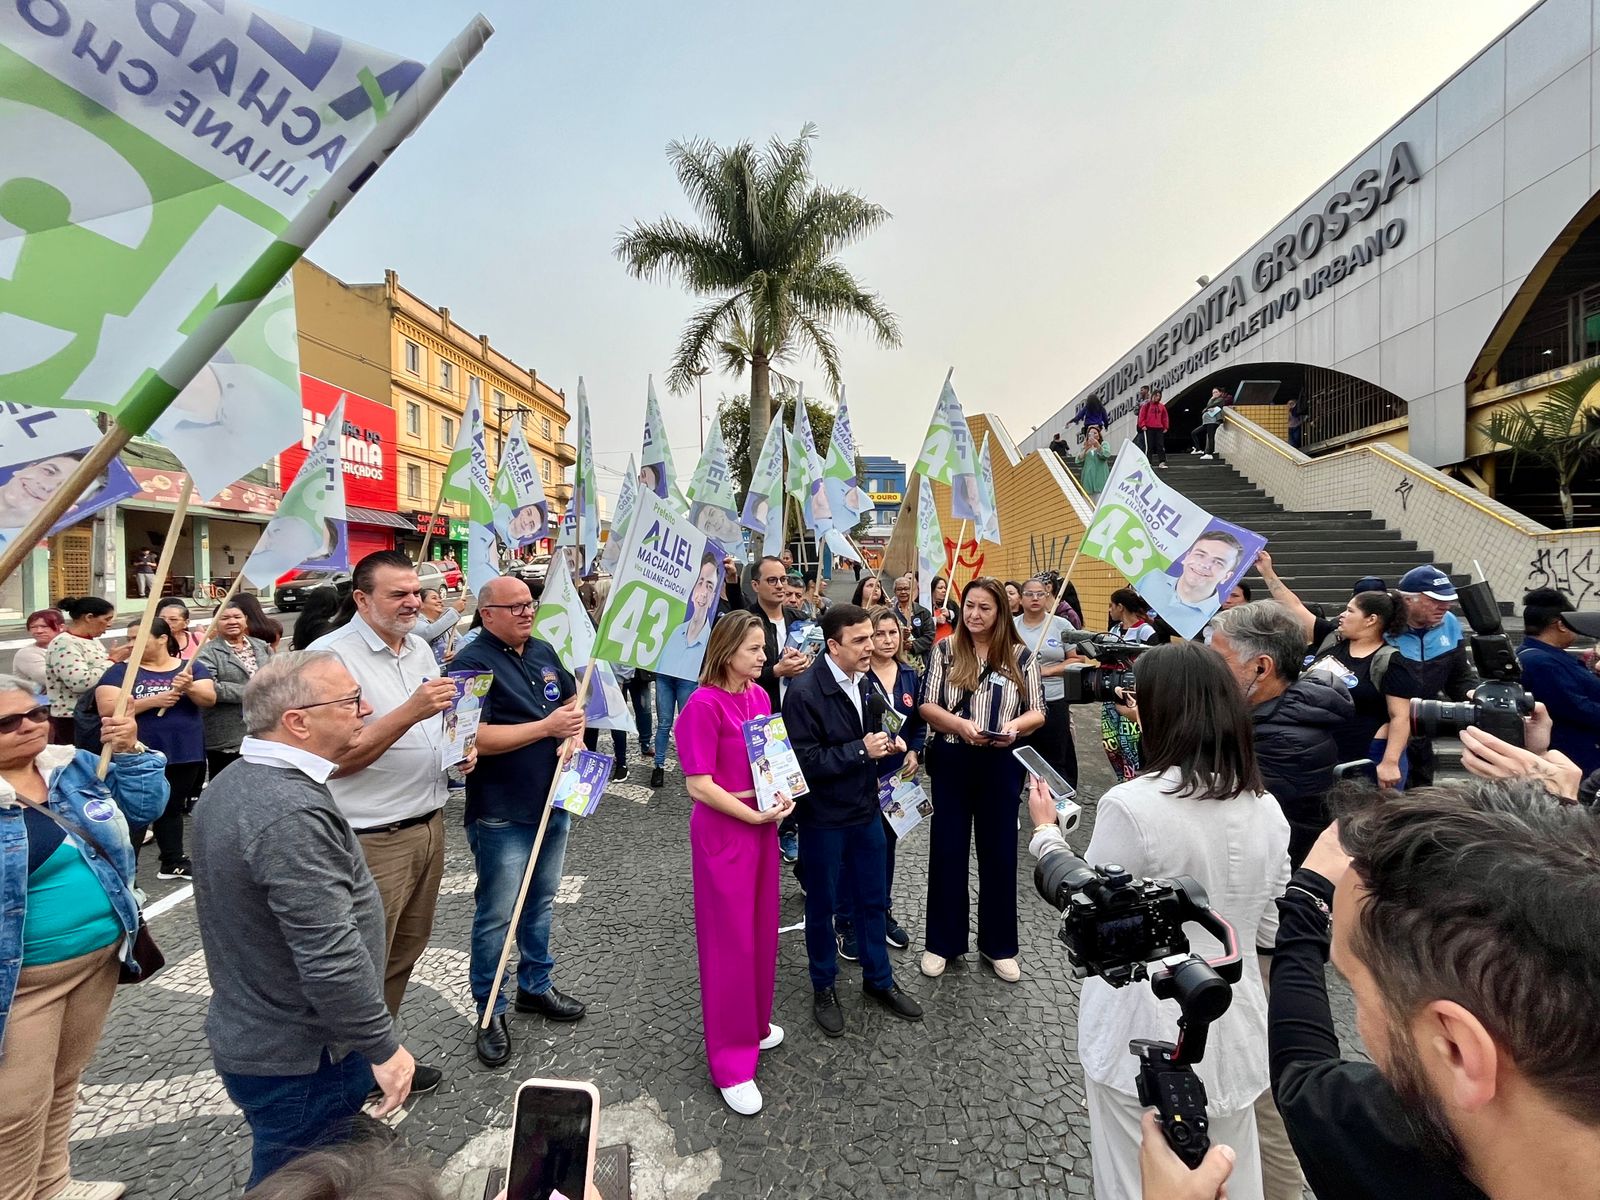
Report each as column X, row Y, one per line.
column 659, row 613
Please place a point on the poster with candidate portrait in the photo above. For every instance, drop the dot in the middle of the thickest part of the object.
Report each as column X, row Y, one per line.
column 1180, row 558
column 39, row 449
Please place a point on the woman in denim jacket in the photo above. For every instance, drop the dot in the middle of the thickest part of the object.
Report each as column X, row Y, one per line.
column 67, row 918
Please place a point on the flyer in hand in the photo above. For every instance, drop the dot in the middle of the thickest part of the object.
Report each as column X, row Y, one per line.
column 581, row 782
column 461, row 718
column 773, row 764
column 905, row 805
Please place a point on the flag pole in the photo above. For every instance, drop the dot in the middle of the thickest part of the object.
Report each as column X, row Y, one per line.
column 142, row 634
column 1061, row 590
column 567, row 750
column 955, row 562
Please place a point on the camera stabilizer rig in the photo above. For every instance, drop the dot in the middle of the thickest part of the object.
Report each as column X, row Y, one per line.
column 1115, row 926
column 1499, row 703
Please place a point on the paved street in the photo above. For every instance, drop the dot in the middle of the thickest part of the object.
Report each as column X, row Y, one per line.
column 982, row 1099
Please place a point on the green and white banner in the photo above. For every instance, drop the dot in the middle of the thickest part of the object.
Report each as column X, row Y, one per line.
column 656, row 472
column 309, row 529
column 163, row 164
column 621, row 515
column 563, row 621
column 930, row 542
column 521, row 508
column 763, row 503
column 580, row 526
column 466, row 481
column 843, row 490
column 987, row 526
column 713, row 503
column 805, row 472
column 948, row 455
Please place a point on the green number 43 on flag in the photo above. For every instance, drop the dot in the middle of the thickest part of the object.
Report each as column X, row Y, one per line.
column 636, row 623
column 1119, row 538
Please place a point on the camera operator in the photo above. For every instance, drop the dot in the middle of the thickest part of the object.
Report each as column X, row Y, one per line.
column 1297, row 719
column 1197, row 809
column 1128, row 620
column 1555, row 677
column 1435, row 649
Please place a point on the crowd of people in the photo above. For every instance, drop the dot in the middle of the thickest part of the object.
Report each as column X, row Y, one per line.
column 319, row 843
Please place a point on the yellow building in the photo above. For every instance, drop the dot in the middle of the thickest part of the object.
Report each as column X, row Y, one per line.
column 381, row 341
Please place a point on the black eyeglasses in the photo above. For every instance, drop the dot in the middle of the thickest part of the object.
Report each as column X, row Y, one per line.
column 355, row 700
column 520, row 609
column 39, row 714
column 768, row 579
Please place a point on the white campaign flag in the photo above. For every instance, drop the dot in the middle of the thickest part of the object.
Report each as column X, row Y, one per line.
column 987, row 525
column 521, row 508
column 309, row 528
column 763, row 503
column 948, row 455
column 563, row 621
column 627, row 499
column 930, row 543
column 656, row 472
column 713, row 502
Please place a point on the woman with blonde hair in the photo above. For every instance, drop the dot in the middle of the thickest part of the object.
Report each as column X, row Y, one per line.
column 733, row 846
column 981, row 694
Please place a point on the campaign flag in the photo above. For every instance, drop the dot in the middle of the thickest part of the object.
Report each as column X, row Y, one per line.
column 469, row 445
column 664, row 595
column 846, row 500
column 581, row 525
column 627, row 498
column 930, row 543
column 466, row 480
column 244, row 405
column 713, row 503
column 805, row 472
column 1181, row 558
column 521, row 508
column 987, row 525
column 763, row 503
column 309, row 528
column 563, row 621
column 656, row 472
column 948, row 455
column 39, row 447
column 171, row 162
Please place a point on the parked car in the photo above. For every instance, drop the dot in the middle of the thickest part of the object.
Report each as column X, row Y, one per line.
column 291, row 593
column 433, row 574
column 536, row 568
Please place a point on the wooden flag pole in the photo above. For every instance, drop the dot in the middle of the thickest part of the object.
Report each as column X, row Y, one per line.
column 142, row 634
column 82, row 478
column 567, row 751
column 211, row 628
column 955, row 562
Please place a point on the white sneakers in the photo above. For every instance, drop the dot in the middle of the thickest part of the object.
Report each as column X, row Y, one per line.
column 744, row 1098
column 1004, row 968
column 774, row 1036
column 932, row 964
column 90, row 1189
column 1205, row 458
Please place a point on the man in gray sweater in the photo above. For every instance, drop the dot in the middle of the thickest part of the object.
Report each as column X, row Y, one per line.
column 292, row 924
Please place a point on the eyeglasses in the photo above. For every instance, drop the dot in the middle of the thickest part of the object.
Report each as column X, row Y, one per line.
column 772, row 579
column 352, row 700
column 520, row 609
column 1034, row 595
column 38, row 715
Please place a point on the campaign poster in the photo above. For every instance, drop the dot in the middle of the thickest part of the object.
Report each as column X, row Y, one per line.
column 39, row 450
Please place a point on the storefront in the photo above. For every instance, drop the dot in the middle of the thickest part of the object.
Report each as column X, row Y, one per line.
column 449, row 536
column 367, row 450
column 214, row 540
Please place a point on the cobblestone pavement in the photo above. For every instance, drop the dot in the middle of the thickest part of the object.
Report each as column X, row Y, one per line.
column 982, row 1099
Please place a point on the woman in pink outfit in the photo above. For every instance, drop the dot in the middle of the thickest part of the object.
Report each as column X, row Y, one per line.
column 734, row 849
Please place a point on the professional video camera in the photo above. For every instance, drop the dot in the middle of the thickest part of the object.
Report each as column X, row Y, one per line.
column 1498, row 703
column 1115, row 926
column 1114, row 670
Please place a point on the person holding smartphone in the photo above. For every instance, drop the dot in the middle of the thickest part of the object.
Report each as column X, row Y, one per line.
column 978, row 698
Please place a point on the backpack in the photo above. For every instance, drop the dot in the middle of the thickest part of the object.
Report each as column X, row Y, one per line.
column 1381, row 658
column 86, row 723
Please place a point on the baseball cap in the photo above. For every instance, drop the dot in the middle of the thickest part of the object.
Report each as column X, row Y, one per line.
column 1428, row 581
column 1369, row 583
column 1586, row 623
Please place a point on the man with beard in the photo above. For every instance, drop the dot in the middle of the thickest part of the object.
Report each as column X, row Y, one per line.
column 1466, row 920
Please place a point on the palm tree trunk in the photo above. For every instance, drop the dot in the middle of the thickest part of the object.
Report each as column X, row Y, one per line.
column 1566, row 504
column 760, row 403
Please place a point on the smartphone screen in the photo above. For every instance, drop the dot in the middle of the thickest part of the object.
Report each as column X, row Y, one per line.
column 552, row 1132
column 1035, row 765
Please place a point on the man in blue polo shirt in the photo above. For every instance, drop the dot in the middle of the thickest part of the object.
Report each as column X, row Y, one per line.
column 1571, row 693
column 1435, row 650
column 529, row 712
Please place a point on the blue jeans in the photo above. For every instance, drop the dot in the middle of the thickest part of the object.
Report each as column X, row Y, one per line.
column 671, row 695
column 639, row 693
column 501, row 849
column 857, row 851
column 291, row 1115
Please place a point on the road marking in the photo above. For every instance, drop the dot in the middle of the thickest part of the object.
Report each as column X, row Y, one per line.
column 168, row 903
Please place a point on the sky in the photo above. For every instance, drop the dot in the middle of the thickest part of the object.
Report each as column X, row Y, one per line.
column 1058, row 173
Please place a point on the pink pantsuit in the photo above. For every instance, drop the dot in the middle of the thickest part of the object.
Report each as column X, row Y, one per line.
column 735, row 885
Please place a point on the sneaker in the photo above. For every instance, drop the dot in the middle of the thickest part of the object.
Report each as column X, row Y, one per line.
column 619, row 770
column 1004, row 968
column 789, row 846
column 1196, row 450
column 1205, row 458
column 847, row 944
column 657, row 777
column 932, row 964
column 893, row 934
column 744, row 1098
column 774, row 1037
column 91, row 1189
column 1162, row 465
column 178, row 870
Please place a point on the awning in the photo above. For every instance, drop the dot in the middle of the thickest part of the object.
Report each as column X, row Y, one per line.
column 376, row 516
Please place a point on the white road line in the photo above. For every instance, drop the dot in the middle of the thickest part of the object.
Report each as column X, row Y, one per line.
column 167, row 903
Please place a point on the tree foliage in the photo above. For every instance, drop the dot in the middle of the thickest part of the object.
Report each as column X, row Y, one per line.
column 1558, row 433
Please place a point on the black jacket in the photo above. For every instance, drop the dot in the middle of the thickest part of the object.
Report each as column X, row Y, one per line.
column 768, row 681
column 1348, row 1128
column 1297, row 750
column 919, row 629
column 828, row 739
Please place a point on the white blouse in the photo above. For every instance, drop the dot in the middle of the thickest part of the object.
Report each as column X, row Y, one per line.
column 1238, row 850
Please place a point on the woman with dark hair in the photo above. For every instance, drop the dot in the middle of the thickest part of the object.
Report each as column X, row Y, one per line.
column 1197, row 809
column 1045, row 636
column 1380, row 683
column 316, row 618
column 176, row 614
column 869, row 593
column 167, row 699
column 43, row 626
column 76, row 660
column 979, row 697
column 946, row 610
column 232, row 658
column 1014, row 597
column 262, row 627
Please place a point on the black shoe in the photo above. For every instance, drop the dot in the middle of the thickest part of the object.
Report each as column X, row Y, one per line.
column 178, row 870
column 619, row 770
column 896, row 1001
column 494, row 1043
column 893, row 934
column 423, row 1080
column 847, row 942
column 551, row 1005
column 657, row 777
column 825, row 1008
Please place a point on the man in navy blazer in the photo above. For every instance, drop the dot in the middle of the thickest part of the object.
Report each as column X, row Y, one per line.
column 834, row 735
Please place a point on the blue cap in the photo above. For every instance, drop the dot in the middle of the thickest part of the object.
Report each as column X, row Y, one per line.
column 1369, row 583
column 1428, row 581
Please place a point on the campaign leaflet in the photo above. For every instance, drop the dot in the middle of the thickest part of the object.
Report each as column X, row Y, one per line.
column 903, row 802
column 581, row 782
column 806, row 637
column 461, row 718
column 773, row 764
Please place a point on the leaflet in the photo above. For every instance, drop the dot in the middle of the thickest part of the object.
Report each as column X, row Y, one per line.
column 905, row 805
column 462, row 717
column 773, row 763
column 582, row 781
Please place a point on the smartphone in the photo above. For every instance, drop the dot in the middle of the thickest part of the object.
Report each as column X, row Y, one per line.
column 554, row 1127
column 1068, row 813
column 1362, row 769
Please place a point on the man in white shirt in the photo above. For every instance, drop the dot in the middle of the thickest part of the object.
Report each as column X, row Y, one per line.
column 391, row 787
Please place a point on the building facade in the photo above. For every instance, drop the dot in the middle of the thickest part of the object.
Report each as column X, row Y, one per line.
column 884, row 481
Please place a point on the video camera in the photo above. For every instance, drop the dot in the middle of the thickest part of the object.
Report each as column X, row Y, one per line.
column 1086, row 684
column 1115, row 926
column 1498, row 703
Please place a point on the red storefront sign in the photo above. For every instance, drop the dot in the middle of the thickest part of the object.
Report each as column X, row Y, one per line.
column 441, row 525
column 164, row 486
column 367, row 446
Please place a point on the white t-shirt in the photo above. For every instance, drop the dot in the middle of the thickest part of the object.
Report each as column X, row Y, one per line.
column 1051, row 649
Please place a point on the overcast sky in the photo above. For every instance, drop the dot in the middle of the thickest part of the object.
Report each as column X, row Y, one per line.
column 1059, row 173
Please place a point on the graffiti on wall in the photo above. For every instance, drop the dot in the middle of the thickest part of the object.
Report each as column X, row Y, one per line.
column 1576, row 576
column 1047, row 553
column 966, row 556
column 1404, row 492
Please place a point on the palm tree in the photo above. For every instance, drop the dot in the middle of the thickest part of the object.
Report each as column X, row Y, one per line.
column 764, row 251
column 1559, row 433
